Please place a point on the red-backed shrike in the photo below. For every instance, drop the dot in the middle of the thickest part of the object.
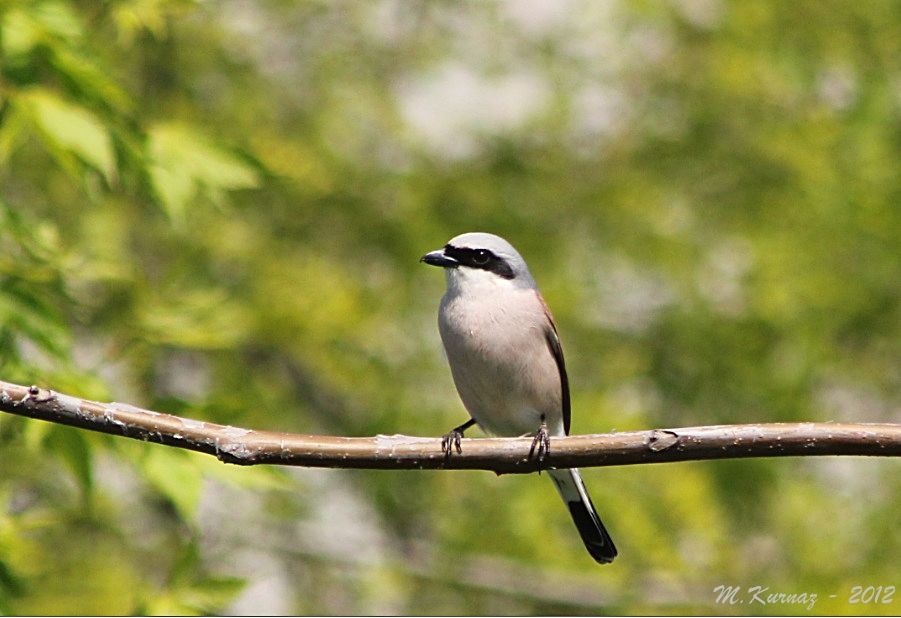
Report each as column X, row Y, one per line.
column 507, row 362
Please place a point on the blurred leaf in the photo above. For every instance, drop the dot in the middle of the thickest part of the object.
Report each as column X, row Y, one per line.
column 12, row 130
column 31, row 247
column 176, row 476
column 68, row 130
column 33, row 318
column 73, row 448
column 211, row 594
column 92, row 81
column 194, row 319
column 184, row 163
column 205, row 597
column 30, row 293
column 133, row 16
column 10, row 587
column 44, row 22
column 20, row 33
column 193, row 592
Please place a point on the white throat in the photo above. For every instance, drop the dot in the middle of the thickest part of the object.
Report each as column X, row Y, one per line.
column 474, row 282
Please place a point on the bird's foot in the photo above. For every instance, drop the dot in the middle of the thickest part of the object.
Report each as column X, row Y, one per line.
column 451, row 440
column 542, row 444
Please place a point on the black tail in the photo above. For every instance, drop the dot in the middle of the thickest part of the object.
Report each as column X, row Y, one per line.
column 571, row 488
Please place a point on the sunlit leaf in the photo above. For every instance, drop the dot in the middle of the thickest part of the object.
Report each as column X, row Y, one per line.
column 133, row 16
column 69, row 129
column 91, row 80
column 19, row 33
column 184, row 164
column 25, row 27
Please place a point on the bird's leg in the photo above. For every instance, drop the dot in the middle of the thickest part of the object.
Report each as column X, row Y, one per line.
column 451, row 440
column 542, row 442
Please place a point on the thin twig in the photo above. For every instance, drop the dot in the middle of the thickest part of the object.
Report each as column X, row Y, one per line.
column 502, row 455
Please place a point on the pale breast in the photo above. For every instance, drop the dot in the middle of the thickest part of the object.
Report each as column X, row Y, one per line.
column 501, row 363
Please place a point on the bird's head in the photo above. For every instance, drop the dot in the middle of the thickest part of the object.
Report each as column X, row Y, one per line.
column 478, row 259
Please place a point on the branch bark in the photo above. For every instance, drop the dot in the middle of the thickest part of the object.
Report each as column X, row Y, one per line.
column 502, row 455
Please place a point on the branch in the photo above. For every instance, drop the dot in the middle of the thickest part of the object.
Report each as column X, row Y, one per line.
column 502, row 455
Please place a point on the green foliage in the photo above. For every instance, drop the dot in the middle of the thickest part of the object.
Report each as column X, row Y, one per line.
column 216, row 210
column 70, row 133
column 182, row 165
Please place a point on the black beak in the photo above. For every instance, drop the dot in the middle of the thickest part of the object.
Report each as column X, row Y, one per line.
column 438, row 258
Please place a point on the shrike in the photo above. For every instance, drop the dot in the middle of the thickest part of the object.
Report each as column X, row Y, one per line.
column 507, row 363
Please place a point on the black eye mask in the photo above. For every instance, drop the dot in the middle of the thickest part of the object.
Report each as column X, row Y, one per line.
column 483, row 259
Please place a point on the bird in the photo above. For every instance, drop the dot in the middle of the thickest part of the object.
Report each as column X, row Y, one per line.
column 507, row 363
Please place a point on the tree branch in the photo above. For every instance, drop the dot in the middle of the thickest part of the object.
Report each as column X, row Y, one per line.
column 502, row 455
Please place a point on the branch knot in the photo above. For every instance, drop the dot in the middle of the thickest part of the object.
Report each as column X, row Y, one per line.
column 662, row 439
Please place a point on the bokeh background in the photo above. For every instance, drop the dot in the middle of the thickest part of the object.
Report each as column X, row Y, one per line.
column 216, row 209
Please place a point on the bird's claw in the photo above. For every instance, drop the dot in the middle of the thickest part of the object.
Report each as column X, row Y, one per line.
column 451, row 441
column 542, row 444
